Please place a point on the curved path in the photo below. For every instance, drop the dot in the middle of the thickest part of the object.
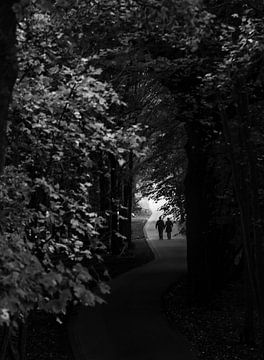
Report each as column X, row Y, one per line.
column 131, row 326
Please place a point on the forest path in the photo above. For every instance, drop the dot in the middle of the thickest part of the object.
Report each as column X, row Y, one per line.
column 131, row 326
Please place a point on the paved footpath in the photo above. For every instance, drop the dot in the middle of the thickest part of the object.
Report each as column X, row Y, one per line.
column 131, row 326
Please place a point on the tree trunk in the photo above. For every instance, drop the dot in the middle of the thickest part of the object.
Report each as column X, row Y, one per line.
column 105, row 198
column 248, row 331
column 244, row 172
column 5, row 342
column 8, row 69
column 23, row 339
column 256, row 213
column 115, row 240
column 241, row 188
column 130, row 198
column 127, row 197
column 14, row 342
column 197, row 210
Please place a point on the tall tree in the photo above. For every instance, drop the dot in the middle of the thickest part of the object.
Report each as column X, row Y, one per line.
column 8, row 68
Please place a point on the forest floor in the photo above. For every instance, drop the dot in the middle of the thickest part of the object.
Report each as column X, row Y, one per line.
column 212, row 329
column 47, row 339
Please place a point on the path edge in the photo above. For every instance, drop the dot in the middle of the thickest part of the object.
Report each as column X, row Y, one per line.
column 149, row 243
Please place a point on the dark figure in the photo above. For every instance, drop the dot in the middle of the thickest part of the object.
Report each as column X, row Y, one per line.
column 160, row 225
column 168, row 228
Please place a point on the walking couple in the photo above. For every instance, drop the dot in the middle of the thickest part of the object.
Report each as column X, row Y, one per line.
column 160, row 225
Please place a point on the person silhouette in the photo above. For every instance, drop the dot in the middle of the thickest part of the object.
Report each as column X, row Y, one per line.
column 160, row 226
column 168, row 228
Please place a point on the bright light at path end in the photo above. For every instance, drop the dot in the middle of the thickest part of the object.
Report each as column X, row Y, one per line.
column 154, row 206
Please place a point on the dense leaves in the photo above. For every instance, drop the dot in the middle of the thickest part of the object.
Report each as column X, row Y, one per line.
column 60, row 118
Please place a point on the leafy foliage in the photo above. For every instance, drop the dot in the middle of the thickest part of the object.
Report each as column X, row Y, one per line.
column 51, row 251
